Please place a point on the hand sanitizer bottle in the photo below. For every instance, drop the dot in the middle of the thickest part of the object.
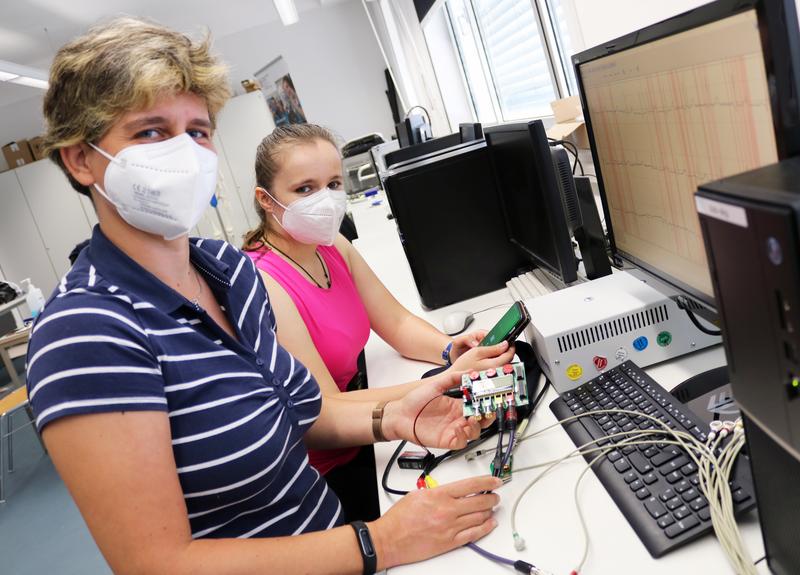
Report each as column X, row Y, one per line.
column 34, row 298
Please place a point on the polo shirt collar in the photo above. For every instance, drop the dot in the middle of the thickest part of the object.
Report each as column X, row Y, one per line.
column 118, row 268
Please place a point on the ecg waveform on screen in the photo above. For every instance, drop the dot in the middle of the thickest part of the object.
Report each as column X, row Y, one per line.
column 661, row 133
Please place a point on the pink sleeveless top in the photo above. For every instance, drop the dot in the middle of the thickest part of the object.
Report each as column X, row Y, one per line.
column 336, row 320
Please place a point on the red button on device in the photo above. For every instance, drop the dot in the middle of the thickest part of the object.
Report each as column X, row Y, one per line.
column 508, row 368
column 600, row 362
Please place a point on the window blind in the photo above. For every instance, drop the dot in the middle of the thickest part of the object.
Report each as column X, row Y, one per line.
column 517, row 61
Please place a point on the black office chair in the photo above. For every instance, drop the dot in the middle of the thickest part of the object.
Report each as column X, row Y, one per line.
column 348, row 228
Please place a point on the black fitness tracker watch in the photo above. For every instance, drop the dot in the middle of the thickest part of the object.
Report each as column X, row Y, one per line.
column 366, row 547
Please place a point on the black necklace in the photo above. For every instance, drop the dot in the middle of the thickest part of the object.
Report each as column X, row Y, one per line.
column 291, row 259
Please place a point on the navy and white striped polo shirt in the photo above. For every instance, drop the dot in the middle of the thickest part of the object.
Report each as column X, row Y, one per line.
column 115, row 338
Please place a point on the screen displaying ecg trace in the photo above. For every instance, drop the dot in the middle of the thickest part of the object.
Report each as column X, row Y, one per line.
column 668, row 116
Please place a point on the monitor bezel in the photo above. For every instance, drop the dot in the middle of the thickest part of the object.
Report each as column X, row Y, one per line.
column 567, row 262
column 780, row 44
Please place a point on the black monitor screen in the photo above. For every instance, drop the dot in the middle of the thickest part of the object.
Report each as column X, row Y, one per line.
column 527, row 183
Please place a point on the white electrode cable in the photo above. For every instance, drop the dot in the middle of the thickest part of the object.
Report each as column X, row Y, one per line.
column 713, row 476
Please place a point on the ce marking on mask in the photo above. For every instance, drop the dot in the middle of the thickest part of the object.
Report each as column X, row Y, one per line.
column 146, row 192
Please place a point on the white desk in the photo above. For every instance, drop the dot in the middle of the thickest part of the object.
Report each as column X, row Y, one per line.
column 547, row 518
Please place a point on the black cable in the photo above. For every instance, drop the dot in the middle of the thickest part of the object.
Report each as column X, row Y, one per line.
column 497, row 464
column 539, row 396
column 486, row 433
column 434, row 462
column 571, row 149
column 416, row 417
column 567, row 145
column 760, row 560
column 554, row 142
column 388, row 468
column 684, row 305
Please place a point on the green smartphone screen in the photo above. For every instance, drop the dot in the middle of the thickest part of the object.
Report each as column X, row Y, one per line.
column 503, row 327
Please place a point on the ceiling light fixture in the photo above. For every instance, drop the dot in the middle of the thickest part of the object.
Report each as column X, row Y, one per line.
column 30, row 82
column 287, row 11
column 23, row 75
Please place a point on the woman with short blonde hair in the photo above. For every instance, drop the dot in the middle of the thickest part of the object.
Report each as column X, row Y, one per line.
column 175, row 419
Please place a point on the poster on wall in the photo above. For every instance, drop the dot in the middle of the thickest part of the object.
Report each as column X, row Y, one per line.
column 278, row 88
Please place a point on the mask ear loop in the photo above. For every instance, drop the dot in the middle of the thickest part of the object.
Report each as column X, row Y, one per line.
column 110, row 158
column 277, row 202
column 102, row 193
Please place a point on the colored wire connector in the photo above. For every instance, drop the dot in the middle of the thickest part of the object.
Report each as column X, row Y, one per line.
column 521, row 566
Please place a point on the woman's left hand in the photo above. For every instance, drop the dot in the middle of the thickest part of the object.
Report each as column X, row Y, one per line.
column 439, row 419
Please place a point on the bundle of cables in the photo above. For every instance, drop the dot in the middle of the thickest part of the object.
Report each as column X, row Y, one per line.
column 501, row 466
column 713, row 460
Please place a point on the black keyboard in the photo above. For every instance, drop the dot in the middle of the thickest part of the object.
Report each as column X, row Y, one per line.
column 655, row 486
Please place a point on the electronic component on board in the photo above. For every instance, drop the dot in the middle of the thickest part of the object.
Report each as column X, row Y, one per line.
column 484, row 391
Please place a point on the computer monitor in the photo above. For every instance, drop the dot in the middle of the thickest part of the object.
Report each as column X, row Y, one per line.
column 414, row 129
column 705, row 95
column 529, row 190
column 431, row 147
column 580, row 212
column 470, row 132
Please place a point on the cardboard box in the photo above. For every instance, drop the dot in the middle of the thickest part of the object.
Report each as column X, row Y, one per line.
column 569, row 122
column 18, row 154
column 37, row 147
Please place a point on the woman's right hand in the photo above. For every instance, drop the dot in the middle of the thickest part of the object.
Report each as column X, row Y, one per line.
column 430, row 522
column 484, row 357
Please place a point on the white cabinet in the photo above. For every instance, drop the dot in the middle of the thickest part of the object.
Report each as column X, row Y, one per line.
column 22, row 249
column 42, row 218
column 57, row 209
column 241, row 125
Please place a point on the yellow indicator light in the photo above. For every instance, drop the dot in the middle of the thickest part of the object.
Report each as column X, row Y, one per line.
column 796, row 382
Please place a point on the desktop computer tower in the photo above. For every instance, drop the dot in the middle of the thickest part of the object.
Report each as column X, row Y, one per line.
column 751, row 228
column 451, row 225
column 776, row 473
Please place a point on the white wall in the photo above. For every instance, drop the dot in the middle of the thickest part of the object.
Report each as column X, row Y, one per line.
column 335, row 63
column 445, row 61
column 333, row 58
column 20, row 120
column 603, row 20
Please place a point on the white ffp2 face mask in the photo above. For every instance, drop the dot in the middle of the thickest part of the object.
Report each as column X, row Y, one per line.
column 162, row 188
column 314, row 219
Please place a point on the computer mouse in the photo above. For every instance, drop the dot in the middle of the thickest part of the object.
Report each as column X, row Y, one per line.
column 456, row 322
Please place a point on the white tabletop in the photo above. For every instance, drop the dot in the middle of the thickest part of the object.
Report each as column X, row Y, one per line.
column 547, row 518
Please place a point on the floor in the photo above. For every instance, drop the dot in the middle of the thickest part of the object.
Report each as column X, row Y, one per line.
column 41, row 530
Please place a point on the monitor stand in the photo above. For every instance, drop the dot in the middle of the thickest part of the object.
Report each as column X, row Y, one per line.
column 701, row 384
column 709, row 395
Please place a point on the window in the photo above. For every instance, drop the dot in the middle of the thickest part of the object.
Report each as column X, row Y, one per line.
column 557, row 12
column 513, row 54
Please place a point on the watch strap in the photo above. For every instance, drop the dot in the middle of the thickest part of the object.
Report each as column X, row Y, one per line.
column 365, row 547
column 446, row 353
column 377, row 421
